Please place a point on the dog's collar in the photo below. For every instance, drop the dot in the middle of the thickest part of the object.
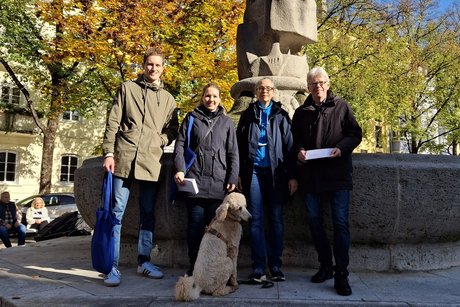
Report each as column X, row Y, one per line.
column 231, row 250
column 216, row 233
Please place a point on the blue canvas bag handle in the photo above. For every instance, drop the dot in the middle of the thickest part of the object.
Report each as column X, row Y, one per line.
column 107, row 191
column 189, row 129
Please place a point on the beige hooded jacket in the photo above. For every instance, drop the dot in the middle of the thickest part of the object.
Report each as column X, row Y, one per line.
column 143, row 120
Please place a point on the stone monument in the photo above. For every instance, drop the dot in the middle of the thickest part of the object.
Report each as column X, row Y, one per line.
column 269, row 42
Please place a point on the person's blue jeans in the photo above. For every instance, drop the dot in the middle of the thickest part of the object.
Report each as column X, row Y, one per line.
column 200, row 213
column 339, row 203
column 263, row 201
column 147, row 199
column 5, row 235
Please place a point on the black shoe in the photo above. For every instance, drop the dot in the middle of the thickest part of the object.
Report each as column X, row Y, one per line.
column 257, row 277
column 324, row 273
column 341, row 284
column 276, row 274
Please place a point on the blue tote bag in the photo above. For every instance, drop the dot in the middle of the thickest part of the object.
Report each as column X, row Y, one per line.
column 102, row 243
column 189, row 157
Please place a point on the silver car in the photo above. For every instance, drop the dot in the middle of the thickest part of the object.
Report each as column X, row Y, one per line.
column 56, row 203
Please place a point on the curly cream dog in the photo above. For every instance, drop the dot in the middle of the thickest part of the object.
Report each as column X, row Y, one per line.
column 215, row 267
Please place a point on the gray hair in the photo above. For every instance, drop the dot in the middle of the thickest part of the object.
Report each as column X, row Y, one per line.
column 317, row 72
column 260, row 81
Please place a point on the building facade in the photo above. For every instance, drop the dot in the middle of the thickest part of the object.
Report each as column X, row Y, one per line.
column 21, row 144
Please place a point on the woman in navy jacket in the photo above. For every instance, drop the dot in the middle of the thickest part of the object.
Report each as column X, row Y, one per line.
column 216, row 166
column 265, row 141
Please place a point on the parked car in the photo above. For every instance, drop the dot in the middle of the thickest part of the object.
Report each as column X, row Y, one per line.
column 56, row 203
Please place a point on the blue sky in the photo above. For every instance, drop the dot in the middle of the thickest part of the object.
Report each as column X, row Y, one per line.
column 445, row 4
column 442, row 4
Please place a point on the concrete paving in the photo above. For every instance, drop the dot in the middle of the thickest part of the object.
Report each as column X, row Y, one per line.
column 58, row 273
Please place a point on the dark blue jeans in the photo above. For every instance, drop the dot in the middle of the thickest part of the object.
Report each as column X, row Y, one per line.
column 147, row 199
column 200, row 213
column 5, row 235
column 264, row 201
column 339, row 203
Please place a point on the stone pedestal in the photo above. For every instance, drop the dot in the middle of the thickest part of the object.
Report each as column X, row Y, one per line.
column 404, row 215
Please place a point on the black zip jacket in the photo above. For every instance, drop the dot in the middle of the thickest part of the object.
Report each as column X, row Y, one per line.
column 279, row 145
column 331, row 125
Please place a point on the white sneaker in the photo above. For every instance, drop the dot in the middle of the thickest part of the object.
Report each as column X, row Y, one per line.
column 113, row 279
column 150, row 270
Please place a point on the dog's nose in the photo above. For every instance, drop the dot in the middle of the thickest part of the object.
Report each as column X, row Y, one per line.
column 247, row 215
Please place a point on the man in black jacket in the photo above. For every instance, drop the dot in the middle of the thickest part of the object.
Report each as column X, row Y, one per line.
column 9, row 222
column 326, row 122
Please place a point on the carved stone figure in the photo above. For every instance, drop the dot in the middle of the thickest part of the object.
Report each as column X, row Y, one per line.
column 268, row 44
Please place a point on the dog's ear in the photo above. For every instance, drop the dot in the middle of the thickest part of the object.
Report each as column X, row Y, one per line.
column 221, row 212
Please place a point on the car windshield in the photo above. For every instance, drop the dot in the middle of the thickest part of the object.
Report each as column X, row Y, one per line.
column 50, row 200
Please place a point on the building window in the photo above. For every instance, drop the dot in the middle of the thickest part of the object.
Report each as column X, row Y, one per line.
column 68, row 166
column 71, row 115
column 7, row 166
column 378, row 137
column 10, row 94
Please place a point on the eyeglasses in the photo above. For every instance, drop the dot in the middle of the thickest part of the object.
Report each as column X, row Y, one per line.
column 265, row 88
column 315, row 84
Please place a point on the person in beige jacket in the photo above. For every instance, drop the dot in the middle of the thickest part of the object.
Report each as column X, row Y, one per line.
column 143, row 120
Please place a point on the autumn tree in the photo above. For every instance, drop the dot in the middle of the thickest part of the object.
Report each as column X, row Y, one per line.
column 75, row 53
column 34, row 43
column 395, row 61
column 434, row 56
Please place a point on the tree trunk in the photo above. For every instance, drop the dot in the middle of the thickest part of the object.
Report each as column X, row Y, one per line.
column 46, row 170
column 413, row 146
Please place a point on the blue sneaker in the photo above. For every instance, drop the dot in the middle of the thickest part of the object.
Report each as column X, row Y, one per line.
column 149, row 270
column 113, row 279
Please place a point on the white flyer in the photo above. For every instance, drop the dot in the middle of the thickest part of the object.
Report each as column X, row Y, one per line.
column 319, row 153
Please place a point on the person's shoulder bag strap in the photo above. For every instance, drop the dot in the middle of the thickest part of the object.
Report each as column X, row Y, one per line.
column 189, row 129
column 190, row 123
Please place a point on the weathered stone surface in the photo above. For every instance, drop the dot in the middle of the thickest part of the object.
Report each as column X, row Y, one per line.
column 269, row 42
column 275, row 30
column 404, row 215
column 170, row 222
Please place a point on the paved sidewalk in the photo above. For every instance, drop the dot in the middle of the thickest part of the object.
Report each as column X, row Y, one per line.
column 58, row 273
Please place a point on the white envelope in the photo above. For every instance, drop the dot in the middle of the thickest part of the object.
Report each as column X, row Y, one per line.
column 319, row 153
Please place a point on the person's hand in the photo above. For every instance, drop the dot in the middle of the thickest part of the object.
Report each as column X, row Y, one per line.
column 179, row 178
column 231, row 187
column 336, row 153
column 109, row 164
column 302, row 156
column 293, row 185
column 16, row 224
column 8, row 226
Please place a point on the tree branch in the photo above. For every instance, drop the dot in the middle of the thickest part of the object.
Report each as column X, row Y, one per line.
column 25, row 92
